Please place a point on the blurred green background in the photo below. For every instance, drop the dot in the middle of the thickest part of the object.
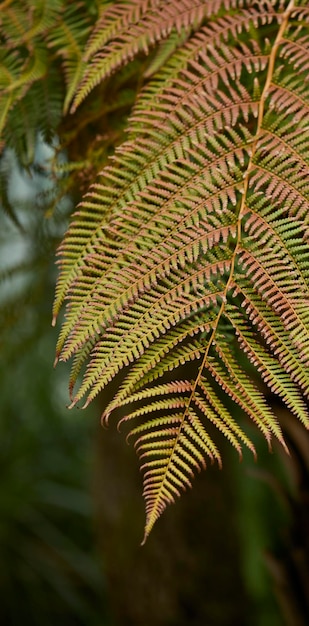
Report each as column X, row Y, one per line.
column 71, row 511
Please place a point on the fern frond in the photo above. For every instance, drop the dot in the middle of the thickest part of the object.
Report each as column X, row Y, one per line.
column 193, row 242
column 33, row 34
column 127, row 29
column 23, row 58
column 278, row 380
column 68, row 39
column 21, row 22
column 115, row 19
column 211, row 35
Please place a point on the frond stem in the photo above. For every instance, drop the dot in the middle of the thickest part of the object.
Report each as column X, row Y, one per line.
column 264, row 94
column 261, row 108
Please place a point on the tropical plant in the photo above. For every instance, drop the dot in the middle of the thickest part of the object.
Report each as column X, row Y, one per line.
column 187, row 260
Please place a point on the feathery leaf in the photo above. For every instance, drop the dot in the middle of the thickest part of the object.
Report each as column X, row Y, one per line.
column 193, row 243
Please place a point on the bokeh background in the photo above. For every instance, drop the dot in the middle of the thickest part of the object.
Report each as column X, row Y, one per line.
column 233, row 551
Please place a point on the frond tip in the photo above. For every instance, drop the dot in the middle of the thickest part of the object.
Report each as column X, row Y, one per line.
column 189, row 257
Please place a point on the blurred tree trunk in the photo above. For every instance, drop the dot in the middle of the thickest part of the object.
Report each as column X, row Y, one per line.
column 189, row 569
column 290, row 566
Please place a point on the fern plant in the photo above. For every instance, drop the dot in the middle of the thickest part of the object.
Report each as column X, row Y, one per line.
column 191, row 247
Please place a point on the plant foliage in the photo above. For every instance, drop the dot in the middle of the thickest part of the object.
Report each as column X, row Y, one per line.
column 191, row 247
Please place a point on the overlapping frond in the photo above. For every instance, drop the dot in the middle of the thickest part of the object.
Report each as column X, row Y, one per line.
column 32, row 33
column 192, row 246
column 73, row 26
column 129, row 28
